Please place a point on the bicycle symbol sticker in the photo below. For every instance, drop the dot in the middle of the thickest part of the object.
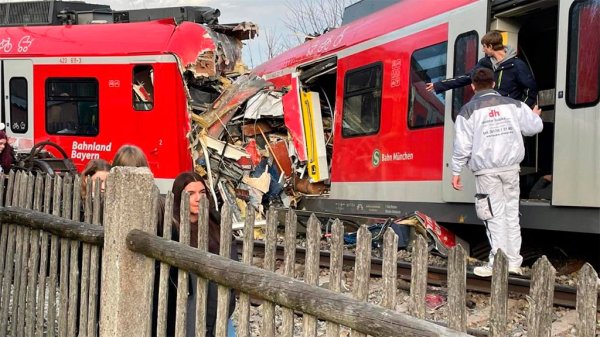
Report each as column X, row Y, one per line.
column 5, row 45
column 22, row 47
column 24, row 44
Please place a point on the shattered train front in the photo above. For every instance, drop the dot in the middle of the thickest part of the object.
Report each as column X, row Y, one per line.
column 263, row 145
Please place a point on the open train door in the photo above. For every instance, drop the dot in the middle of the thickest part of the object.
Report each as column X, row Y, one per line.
column 576, row 167
column 466, row 26
column 17, row 107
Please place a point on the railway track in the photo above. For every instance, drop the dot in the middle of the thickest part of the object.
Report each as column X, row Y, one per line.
column 563, row 295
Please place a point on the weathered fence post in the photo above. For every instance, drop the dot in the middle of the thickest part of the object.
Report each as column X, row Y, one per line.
column 182, row 275
column 223, row 292
column 127, row 277
column 287, row 314
column 499, row 296
column 336, row 265
column 2, row 179
column 268, row 308
column 362, row 269
column 244, row 302
column 390, row 268
column 418, row 278
column 95, row 251
column 457, row 288
column 587, row 290
column 311, row 272
column 201, row 283
column 541, row 298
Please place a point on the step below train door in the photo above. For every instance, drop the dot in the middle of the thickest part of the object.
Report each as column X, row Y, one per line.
column 17, row 107
column 466, row 26
column 576, row 167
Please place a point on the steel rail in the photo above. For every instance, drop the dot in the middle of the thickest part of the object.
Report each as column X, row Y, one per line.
column 563, row 295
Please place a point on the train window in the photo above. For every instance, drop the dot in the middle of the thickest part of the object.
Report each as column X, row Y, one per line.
column 583, row 65
column 362, row 101
column 426, row 109
column 18, row 105
column 72, row 106
column 143, row 87
column 465, row 56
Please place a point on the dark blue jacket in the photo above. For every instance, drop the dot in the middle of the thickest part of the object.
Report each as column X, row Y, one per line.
column 512, row 76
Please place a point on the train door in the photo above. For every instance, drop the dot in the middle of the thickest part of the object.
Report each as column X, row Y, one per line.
column 316, row 83
column 17, row 105
column 576, row 177
column 463, row 52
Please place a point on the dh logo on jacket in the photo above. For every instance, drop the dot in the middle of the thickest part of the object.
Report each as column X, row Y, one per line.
column 494, row 113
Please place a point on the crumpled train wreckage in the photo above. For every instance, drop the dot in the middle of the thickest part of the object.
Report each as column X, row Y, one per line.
column 252, row 151
column 221, row 96
column 210, row 72
column 241, row 144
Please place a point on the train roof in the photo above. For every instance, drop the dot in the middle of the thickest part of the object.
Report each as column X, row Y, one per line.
column 402, row 14
column 163, row 36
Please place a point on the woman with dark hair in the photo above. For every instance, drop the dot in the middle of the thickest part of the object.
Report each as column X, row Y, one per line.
column 7, row 153
column 193, row 183
column 196, row 187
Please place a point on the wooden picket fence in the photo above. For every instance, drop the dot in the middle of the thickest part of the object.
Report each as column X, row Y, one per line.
column 49, row 269
column 49, row 273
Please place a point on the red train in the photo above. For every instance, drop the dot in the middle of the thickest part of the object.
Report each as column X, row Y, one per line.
column 92, row 88
column 392, row 140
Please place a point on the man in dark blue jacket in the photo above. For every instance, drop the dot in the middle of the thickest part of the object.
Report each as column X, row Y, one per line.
column 512, row 76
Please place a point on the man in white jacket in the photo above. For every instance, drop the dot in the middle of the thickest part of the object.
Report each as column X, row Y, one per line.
column 488, row 138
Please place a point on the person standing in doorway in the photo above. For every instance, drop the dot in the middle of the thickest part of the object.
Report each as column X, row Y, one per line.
column 511, row 75
column 489, row 139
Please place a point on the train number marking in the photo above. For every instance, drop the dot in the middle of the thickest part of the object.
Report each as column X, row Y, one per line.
column 69, row 60
column 396, row 74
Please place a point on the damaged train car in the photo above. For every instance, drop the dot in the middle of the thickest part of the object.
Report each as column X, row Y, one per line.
column 344, row 124
column 91, row 88
column 245, row 148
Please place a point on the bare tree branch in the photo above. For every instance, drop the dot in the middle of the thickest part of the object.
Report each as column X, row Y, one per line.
column 313, row 17
column 273, row 41
column 304, row 18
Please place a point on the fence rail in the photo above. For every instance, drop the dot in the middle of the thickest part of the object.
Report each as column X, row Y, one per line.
column 293, row 294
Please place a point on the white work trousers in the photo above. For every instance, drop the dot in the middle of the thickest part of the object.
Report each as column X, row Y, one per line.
column 503, row 230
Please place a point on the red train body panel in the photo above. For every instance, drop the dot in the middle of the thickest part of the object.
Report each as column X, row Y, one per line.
column 185, row 40
column 403, row 14
column 95, row 70
column 406, row 154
